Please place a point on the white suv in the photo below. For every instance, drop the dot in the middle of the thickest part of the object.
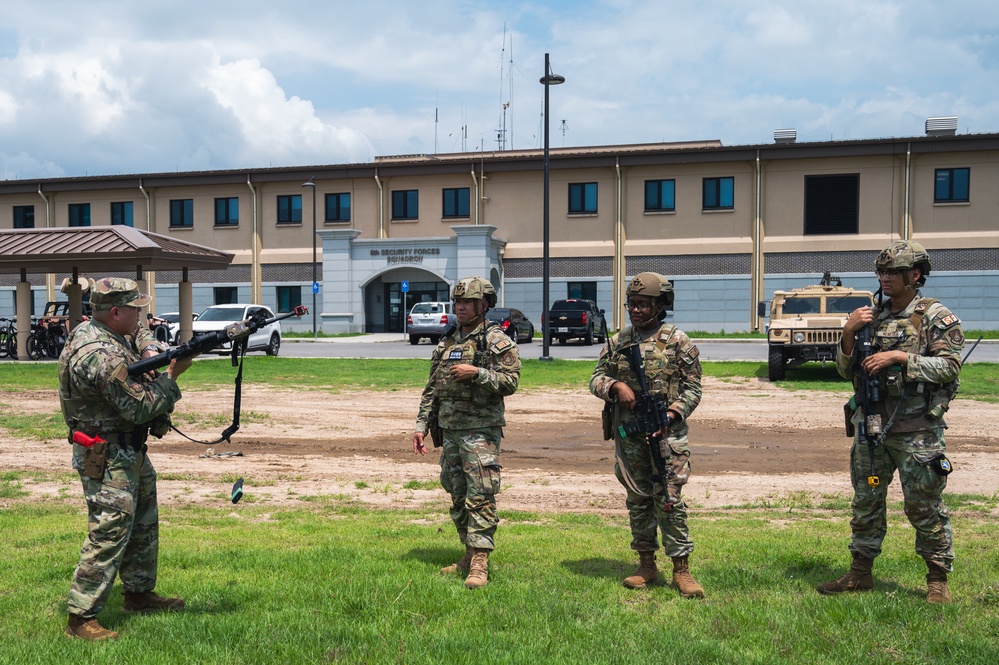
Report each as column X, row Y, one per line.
column 218, row 317
column 429, row 319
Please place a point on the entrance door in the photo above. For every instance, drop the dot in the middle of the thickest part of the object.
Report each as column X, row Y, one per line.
column 398, row 304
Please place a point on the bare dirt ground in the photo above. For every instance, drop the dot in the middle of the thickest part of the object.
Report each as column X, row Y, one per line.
column 751, row 442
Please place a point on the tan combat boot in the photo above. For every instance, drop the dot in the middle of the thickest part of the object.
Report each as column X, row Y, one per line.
column 478, row 573
column 647, row 571
column 461, row 565
column 858, row 578
column 148, row 601
column 88, row 629
column 936, row 585
column 684, row 581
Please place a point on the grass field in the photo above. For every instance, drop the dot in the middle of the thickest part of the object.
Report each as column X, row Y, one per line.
column 332, row 581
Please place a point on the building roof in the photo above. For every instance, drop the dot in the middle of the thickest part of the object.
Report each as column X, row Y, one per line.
column 101, row 248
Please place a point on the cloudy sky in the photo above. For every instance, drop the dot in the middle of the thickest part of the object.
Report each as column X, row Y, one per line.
column 107, row 86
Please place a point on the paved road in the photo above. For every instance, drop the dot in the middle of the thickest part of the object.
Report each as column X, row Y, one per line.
column 385, row 345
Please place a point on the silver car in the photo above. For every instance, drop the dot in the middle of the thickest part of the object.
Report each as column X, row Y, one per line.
column 218, row 317
column 429, row 319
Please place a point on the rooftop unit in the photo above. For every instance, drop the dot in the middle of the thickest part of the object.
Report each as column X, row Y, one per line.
column 785, row 135
column 943, row 126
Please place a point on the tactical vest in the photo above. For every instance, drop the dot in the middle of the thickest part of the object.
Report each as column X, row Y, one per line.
column 469, row 351
column 661, row 369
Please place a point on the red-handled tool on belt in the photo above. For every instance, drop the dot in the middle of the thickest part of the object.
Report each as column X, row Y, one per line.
column 85, row 440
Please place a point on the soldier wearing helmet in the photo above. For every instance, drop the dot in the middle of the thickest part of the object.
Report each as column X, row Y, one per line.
column 917, row 359
column 673, row 372
column 473, row 368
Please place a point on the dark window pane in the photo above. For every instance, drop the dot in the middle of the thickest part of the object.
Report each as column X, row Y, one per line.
column 832, row 204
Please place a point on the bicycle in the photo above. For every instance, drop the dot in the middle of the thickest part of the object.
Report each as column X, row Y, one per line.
column 8, row 329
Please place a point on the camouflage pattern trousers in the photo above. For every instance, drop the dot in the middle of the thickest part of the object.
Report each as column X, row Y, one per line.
column 910, row 453
column 470, row 472
column 648, row 505
column 123, row 519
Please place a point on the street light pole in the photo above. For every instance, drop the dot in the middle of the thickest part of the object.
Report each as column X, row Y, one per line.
column 312, row 184
column 549, row 79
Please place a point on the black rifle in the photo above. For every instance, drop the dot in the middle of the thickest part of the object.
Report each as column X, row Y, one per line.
column 234, row 332
column 651, row 415
column 868, row 393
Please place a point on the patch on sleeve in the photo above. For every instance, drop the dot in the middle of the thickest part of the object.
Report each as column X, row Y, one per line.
column 508, row 359
column 956, row 337
column 948, row 321
column 501, row 345
column 131, row 385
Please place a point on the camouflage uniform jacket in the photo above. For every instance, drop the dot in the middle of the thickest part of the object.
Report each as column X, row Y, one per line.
column 477, row 402
column 672, row 369
column 96, row 394
column 932, row 337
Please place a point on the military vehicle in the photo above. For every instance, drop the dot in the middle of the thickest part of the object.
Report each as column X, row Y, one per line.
column 806, row 323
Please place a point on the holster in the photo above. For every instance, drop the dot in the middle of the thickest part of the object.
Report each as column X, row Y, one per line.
column 848, row 410
column 95, row 458
column 436, row 432
column 607, row 421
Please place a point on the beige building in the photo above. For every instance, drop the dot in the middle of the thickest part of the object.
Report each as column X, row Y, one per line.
column 729, row 224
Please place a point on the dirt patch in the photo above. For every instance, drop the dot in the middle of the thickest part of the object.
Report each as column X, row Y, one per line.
column 750, row 442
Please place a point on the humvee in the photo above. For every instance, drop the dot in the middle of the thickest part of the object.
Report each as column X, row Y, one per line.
column 806, row 323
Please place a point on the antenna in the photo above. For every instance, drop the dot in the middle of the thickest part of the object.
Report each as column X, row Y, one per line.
column 564, row 127
column 435, row 130
column 509, row 98
column 501, row 132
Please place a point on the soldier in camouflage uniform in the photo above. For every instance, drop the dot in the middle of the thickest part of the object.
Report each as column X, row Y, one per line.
column 673, row 371
column 918, row 343
column 99, row 400
column 472, row 369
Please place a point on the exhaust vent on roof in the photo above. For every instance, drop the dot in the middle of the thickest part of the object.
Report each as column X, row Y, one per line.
column 943, row 126
column 785, row 135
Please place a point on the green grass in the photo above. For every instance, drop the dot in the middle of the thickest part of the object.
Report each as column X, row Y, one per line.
column 333, row 582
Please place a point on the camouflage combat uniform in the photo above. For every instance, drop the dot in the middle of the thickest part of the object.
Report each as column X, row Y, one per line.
column 98, row 397
column 933, row 339
column 471, row 416
column 673, row 371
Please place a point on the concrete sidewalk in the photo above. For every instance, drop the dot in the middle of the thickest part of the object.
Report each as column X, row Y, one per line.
column 364, row 338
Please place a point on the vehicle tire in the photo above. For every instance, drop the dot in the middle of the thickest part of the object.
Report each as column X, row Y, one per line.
column 775, row 364
column 530, row 337
column 275, row 345
column 588, row 339
column 563, row 340
column 434, row 339
column 414, row 339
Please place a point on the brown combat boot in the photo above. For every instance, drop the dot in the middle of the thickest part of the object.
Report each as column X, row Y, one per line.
column 936, row 585
column 858, row 578
column 88, row 629
column 684, row 581
column 461, row 565
column 478, row 572
column 148, row 602
column 647, row 571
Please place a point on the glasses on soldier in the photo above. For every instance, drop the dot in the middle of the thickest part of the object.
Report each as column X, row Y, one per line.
column 640, row 305
column 888, row 272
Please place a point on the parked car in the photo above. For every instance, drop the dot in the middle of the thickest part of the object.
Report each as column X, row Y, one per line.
column 218, row 317
column 166, row 326
column 513, row 322
column 576, row 318
column 429, row 319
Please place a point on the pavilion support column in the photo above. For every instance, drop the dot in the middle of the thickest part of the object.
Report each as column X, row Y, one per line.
column 140, row 280
column 186, row 301
column 23, row 308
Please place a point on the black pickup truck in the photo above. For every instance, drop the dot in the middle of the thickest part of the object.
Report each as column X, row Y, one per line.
column 576, row 318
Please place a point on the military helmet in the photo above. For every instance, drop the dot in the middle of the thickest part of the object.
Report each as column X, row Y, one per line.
column 474, row 288
column 904, row 255
column 654, row 285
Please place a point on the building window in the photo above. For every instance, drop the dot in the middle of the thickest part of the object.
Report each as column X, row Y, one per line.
column 951, row 185
column 289, row 209
column 79, row 214
column 582, row 290
column 660, row 196
column 227, row 211
column 582, row 198
column 181, row 213
column 719, row 193
column 338, row 207
column 406, row 204
column 288, row 298
column 226, row 295
column 121, row 213
column 456, row 202
column 24, row 217
column 832, row 204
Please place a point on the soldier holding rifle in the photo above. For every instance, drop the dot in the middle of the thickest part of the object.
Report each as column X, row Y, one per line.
column 673, row 379
column 915, row 360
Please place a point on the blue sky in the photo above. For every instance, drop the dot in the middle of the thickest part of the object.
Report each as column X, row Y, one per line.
column 109, row 86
